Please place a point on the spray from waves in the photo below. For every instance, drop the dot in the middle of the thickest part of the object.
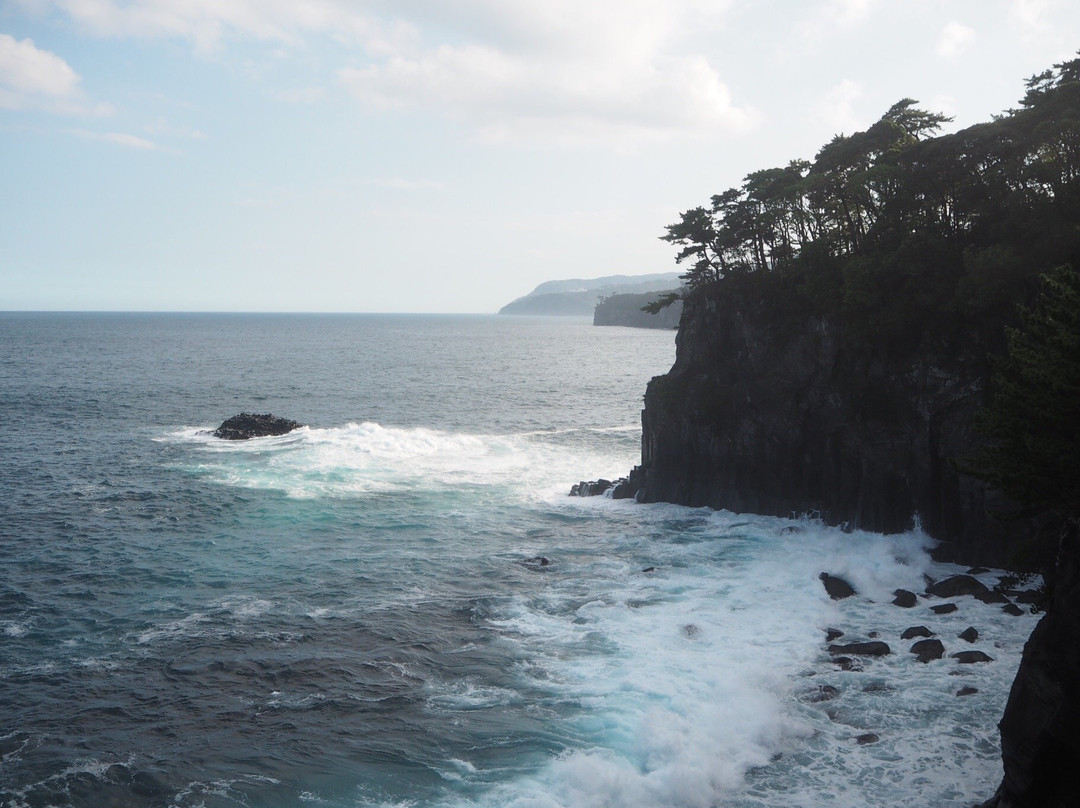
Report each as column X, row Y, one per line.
column 363, row 458
column 694, row 684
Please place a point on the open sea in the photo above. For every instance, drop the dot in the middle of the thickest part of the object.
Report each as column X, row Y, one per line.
column 354, row 614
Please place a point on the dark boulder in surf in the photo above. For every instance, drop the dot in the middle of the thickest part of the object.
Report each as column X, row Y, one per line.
column 969, row 657
column 958, row 585
column 916, row 631
column 837, row 588
column 904, row 599
column 251, row 425
column 592, row 488
column 927, row 650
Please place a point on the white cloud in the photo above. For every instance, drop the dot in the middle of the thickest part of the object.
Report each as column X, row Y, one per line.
column 954, row 39
column 615, row 71
column 571, row 72
column 32, row 78
column 206, row 23
column 837, row 109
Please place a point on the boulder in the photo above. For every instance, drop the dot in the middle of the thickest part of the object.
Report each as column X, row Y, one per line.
column 927, row 650
column 1030, row 596
column 868, row 737
column 967, row 690
column 837, row 588
column 251, row 425
column 956, row 586
column 968, row 657
column 904, row 599
column 916, row 631
column 833, row 634
column 1013, row 609
column 592, row 488
column 875, row 648
column 969, row 634
column 944, row 608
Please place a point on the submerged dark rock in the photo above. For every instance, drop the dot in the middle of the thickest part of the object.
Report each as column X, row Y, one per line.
column 967, row 690
column 820, row 694
column 251, row 425
column 875, row 648
column 944, row 608
column 867, row 738
column 837, row 588
column 1013, row 609
column 969, row 634
column 833, row 634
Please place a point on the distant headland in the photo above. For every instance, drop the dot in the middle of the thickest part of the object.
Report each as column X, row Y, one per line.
column 578, row 297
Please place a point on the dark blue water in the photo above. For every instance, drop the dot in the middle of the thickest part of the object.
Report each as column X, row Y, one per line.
column 348, row 615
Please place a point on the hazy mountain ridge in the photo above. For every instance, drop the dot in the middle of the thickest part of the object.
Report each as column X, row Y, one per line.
column 577, row 297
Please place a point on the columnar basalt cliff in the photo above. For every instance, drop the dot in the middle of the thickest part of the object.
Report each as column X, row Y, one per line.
column 782, row 416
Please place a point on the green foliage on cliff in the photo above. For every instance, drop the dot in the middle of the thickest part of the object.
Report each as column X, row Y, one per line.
column 1032, row 419
column 898, row 235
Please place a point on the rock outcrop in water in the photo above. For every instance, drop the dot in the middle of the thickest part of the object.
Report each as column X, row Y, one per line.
column 774, row 413
column 250, row 425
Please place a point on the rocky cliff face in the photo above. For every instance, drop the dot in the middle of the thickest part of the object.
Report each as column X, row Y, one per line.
column 776, row 413
column 1040, row 731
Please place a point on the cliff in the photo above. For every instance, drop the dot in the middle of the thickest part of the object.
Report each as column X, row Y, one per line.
column 625, row 310
column 1040, row 741
column 779, row 412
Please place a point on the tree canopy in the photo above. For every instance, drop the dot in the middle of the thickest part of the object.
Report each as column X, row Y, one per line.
column 945, row 229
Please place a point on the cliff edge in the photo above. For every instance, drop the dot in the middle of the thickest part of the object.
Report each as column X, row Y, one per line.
column 775, row 412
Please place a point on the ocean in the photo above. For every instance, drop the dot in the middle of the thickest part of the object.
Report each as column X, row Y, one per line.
column 359, row 613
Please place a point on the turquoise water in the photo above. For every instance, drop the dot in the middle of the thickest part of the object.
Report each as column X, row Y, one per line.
column 349, row 615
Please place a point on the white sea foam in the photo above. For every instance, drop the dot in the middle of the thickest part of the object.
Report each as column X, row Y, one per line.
column 13, row 629
column 693, row 678
column 362, row 458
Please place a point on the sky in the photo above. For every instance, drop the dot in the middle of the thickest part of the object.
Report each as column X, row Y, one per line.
column 437, row 155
